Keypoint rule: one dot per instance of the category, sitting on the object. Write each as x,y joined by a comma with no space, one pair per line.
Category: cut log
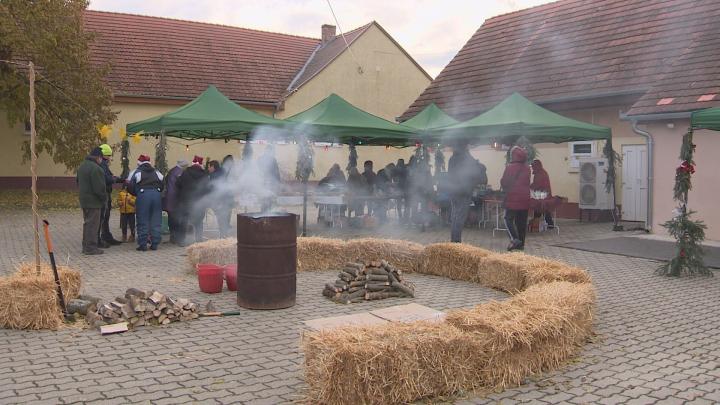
353,271
161,318
377,277
359,293
347,277
377,271
90,298
165,321
378,287
358,266
405,289
382,295
329,293
358,283
156,298
134,292
156,313
114,328
332,287
81,307
127,311
121,300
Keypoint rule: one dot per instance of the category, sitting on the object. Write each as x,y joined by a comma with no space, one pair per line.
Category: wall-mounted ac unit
592,195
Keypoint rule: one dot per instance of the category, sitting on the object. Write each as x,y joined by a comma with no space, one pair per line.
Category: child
126,204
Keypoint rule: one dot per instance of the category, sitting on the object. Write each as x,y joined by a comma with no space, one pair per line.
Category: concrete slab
409,313
361,319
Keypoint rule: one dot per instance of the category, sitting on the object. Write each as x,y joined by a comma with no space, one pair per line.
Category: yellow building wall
388,84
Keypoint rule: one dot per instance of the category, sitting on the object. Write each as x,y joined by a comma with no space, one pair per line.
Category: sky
431,31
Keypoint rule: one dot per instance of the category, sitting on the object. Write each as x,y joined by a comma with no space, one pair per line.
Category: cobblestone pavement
658,338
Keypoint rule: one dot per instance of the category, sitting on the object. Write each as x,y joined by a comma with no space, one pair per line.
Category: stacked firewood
372,280
139,308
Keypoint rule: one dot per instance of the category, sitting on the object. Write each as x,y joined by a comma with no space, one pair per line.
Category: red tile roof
582,49
325,54
159,57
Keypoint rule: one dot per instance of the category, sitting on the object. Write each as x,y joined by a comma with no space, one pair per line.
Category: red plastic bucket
231,277
210,278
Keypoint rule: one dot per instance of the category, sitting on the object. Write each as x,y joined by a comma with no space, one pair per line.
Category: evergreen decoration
305,162
689,234
523,142
247,151
160,153
439,160
125,158
352,159
614,160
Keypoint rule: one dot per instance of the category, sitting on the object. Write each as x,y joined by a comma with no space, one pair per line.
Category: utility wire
347,45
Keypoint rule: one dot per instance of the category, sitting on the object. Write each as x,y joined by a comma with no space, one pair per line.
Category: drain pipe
648,137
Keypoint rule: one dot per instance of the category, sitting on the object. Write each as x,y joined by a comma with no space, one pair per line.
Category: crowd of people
185,193
188,190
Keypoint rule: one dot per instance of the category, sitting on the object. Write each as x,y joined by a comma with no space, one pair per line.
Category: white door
635,185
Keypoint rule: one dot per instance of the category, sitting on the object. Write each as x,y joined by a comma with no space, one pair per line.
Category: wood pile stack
139,308
372,280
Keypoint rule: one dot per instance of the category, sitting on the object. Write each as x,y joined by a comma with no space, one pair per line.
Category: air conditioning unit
592,194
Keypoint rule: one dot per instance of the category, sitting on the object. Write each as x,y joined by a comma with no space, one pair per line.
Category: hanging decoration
614,160
523,142
137,138
352,159
439,160
104,131
124,156
160,153
247,151
688,233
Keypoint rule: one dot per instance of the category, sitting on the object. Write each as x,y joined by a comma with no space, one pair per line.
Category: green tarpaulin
517,116
211,115
431,117
706,119
335,120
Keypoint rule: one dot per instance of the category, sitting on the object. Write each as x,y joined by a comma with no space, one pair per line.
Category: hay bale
215,251
533,331
316,254
388,364
496,271
403,255
455,261
543,270
29,301
70,279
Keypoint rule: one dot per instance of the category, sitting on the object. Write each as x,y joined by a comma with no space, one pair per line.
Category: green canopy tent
430,118
706,119
336,120
210,116
517,116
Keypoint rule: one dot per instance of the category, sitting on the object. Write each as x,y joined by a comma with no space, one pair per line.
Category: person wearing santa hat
146,184
192,186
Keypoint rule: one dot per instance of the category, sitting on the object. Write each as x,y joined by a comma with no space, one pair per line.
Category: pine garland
160,153
689,234
125,158
439,160
352,159
305,163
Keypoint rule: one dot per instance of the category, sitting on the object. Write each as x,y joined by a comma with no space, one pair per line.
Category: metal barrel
266,260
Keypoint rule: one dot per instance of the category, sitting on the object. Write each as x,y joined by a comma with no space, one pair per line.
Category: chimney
328,33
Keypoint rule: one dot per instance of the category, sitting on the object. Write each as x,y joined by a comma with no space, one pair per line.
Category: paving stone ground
658,338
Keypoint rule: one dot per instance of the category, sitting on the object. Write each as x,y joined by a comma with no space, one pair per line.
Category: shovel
61,298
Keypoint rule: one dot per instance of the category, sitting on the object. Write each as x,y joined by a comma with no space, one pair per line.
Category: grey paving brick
654,343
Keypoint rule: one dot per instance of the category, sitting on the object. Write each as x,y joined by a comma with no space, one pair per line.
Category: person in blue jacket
146,184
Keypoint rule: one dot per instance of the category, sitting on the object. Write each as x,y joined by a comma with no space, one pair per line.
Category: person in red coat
516,184
541,182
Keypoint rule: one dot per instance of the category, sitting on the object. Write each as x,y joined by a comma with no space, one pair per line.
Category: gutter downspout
650,178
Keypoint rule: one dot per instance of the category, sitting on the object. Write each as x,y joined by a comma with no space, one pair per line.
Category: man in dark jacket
192,188
93,195
105,237
463,175
516,184
146,184
170,201
541,182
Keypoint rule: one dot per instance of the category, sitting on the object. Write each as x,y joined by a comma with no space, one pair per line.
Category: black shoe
103,244
154,247
93,252
112,241
141,248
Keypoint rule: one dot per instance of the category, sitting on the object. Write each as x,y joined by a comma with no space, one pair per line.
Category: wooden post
304,223
33,166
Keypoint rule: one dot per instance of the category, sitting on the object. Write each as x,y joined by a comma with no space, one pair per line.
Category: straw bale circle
494,345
